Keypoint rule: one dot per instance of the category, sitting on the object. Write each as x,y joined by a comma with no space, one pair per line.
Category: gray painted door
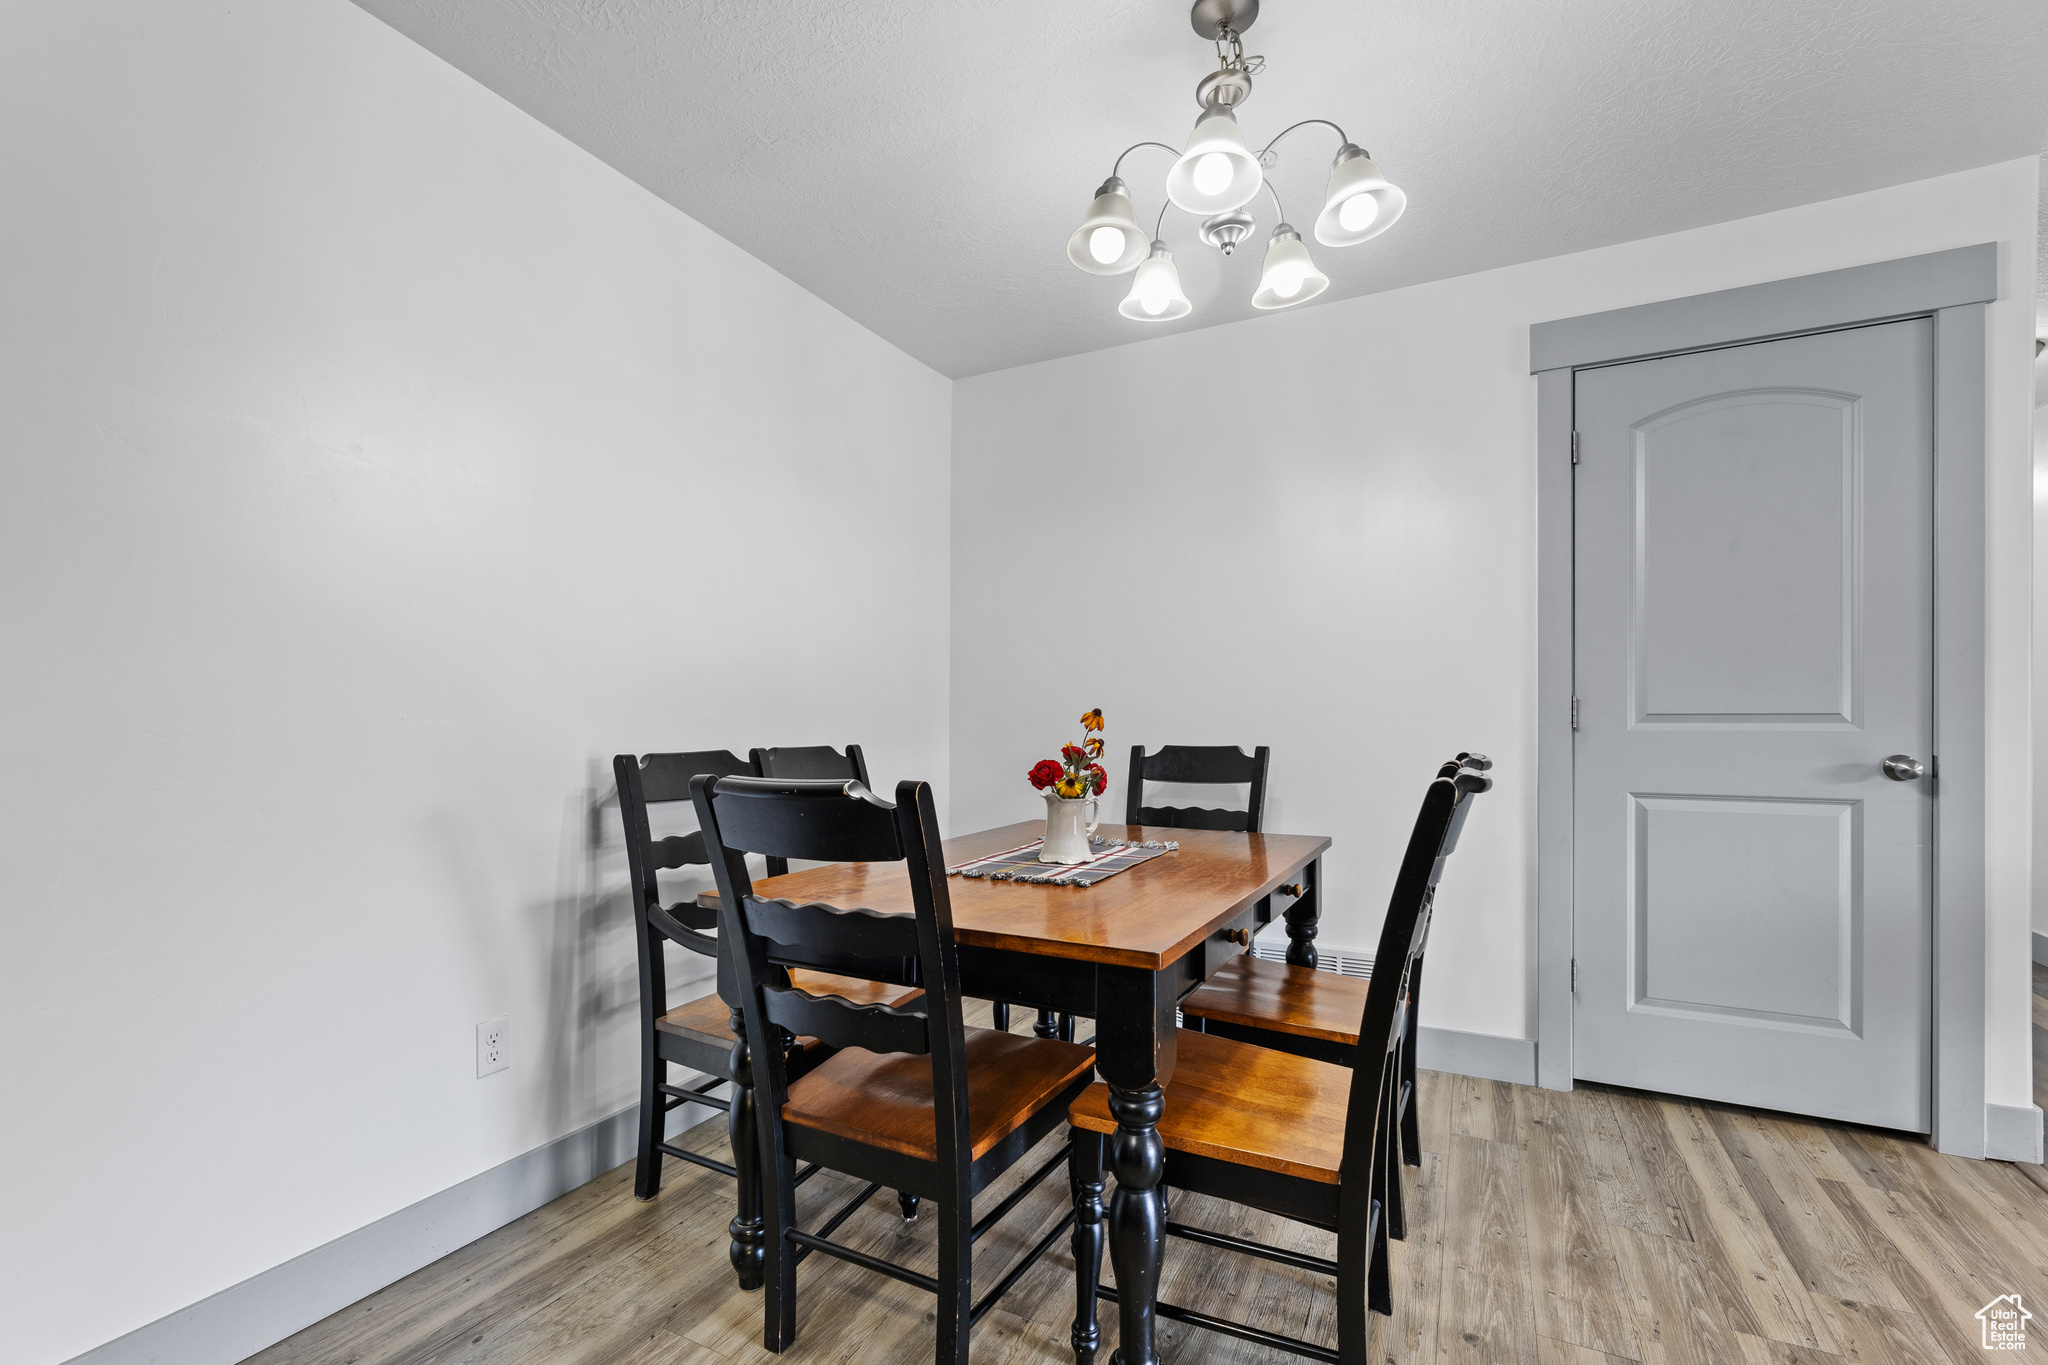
1753,636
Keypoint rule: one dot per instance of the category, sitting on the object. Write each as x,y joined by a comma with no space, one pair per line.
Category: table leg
1303,915
1134,1050
749,1231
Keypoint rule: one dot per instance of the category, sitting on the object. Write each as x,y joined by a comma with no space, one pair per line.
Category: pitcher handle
1094,816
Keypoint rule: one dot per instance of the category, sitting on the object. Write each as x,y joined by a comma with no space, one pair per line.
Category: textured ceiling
920,164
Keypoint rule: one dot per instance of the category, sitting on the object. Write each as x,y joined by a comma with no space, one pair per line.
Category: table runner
1106,858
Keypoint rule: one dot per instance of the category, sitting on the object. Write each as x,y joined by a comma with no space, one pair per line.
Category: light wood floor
1594,1227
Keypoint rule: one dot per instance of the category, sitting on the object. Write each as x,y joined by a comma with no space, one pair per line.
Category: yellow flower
1092,720
1072,786
1094,746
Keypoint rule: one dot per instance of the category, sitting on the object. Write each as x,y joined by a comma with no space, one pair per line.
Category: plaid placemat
1107,857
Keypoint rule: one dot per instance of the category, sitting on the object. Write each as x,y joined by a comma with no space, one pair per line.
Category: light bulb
1106,243
1357,212
1212,173
1154,302
1288,284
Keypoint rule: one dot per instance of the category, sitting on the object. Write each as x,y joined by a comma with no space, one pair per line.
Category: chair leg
956,1277
1066,1028
647,1165
1354,1321
1001,1010
1411,1117
748,1240
778,1305
908,1203
1389,1168
1084,1176
1048,1025
1379,1279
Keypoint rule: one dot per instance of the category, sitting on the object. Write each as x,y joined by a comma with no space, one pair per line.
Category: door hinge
1575,976
1575,713
1575,447
1934,767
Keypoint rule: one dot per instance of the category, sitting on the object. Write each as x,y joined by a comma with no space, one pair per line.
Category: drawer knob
1295,890
1241,937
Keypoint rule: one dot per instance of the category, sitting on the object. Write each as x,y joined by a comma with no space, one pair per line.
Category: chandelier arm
1303,124
1160,221
1267,181
1114,170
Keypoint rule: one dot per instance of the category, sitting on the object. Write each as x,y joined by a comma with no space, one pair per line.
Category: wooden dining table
1122,952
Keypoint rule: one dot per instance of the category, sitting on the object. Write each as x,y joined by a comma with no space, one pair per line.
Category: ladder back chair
1197,765
703,1033
816,760
1286,1134
1313,1013
915,1099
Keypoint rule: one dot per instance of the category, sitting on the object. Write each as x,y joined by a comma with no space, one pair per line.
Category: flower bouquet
1071,786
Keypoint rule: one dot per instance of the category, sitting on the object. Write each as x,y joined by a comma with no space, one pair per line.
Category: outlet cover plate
492,1050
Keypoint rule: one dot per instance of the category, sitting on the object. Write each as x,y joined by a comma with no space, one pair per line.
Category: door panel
1753,633
1744,584
1745,909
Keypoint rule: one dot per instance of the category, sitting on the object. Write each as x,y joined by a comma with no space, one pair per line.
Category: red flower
1074,754
1045,773
1101,777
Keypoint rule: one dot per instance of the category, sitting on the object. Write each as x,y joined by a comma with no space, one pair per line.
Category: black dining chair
700,1034
1314,1013
1286,1134
916,1099
816,760
1197,765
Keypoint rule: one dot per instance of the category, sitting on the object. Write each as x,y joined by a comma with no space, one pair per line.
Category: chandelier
1214,178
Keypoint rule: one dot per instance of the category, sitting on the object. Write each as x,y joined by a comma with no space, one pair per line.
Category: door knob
1902,768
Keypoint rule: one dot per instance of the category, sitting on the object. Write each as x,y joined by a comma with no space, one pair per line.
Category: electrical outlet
492,1054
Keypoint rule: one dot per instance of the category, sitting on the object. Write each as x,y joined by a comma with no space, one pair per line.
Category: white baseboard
2012,1132
2041,948
266,1308
1488,1056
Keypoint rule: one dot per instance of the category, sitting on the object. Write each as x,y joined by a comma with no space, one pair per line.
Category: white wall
375,467
1316,531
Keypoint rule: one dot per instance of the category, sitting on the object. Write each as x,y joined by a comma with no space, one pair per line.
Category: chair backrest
1205,764
816,760
662,779
838,820
1403,936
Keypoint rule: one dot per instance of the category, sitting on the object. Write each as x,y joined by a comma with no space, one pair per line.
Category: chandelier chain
1230,55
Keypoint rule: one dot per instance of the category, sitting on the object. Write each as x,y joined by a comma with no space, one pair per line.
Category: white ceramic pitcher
1067,827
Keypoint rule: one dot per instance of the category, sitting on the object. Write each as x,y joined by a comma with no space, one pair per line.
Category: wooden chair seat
885,1099
1249,1106
1278,997
709,1021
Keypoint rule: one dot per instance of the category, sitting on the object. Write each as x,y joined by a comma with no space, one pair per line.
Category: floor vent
1343,961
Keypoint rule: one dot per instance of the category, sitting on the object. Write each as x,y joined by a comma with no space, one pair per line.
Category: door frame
1952,288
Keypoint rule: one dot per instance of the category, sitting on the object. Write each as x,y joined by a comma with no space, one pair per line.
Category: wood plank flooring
1595,1227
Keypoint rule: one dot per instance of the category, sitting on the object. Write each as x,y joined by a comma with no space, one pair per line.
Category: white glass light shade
1353,176
1155,291
1216,173
1109,240
1289,276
